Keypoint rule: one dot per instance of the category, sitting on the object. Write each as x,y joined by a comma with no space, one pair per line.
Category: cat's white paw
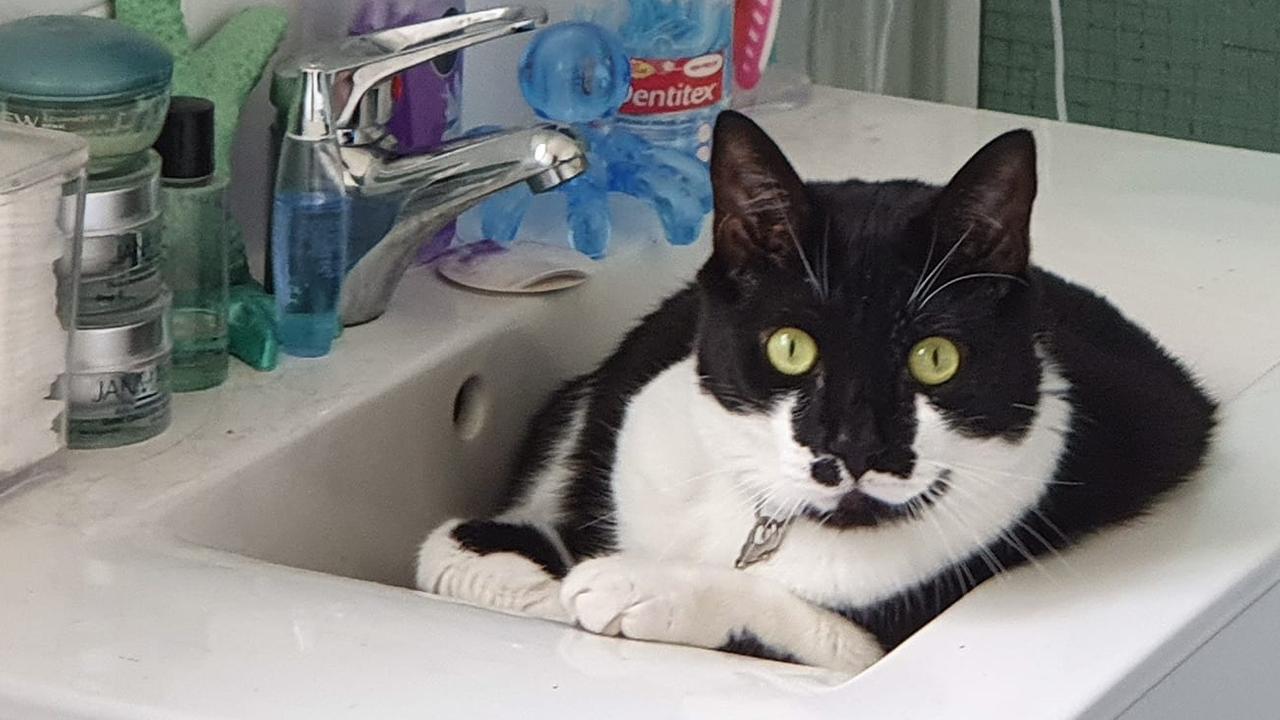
502,581
646,600
705,606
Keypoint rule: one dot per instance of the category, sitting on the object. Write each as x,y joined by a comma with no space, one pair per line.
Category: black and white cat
868,403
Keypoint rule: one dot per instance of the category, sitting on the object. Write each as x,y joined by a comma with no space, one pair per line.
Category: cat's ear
761,205
988,203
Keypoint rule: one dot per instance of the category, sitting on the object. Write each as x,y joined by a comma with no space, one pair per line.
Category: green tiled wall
1205,70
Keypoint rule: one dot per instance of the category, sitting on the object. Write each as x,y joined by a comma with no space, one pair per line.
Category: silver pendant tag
763,541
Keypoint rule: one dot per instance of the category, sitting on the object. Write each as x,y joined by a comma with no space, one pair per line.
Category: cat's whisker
960,466
1016,544
730,470
782,511
992,562
603,518
1051,525
988,558
965,469
772,201
993,485
1001,534
611,427
826,264
790,510
914,508
1051,547
934,274
953,560
752,500
804,260
928,258
799,508
826,518
971,276
758,497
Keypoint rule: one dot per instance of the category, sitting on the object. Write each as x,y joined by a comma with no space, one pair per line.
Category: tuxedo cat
868,403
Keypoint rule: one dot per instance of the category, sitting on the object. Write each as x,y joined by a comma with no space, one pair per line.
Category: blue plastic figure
578,73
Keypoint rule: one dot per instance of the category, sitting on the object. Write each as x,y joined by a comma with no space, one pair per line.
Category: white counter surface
105,614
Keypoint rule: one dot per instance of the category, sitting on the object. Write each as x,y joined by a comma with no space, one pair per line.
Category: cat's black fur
1140,424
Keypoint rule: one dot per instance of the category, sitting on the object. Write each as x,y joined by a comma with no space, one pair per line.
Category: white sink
356,494
254,561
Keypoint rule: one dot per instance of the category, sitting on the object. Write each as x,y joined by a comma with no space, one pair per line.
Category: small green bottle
195,244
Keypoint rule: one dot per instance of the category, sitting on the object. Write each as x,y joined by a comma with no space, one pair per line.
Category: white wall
931,53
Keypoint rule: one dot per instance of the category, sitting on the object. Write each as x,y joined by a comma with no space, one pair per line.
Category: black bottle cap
186,142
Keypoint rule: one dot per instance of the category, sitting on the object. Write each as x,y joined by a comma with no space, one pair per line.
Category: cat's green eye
934,360
791,351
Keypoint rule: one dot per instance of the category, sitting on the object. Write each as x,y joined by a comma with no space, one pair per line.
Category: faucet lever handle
362,62
409,37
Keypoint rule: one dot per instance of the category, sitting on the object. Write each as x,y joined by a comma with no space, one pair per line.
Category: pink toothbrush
754,24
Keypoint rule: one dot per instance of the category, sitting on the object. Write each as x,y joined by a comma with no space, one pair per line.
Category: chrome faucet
346,90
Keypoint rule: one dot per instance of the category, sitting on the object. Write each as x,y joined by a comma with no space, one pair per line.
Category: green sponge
224,69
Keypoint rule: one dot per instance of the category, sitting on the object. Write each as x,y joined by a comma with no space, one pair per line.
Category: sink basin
356,494
255,560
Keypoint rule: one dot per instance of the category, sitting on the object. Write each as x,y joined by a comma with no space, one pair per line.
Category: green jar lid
76,58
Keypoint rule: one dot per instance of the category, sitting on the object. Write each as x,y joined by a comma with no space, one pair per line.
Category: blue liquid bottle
309,231
309,261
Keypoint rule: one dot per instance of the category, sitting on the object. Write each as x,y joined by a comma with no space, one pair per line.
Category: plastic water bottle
681,71
581,73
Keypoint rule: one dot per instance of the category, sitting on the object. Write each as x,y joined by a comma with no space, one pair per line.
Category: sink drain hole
469,408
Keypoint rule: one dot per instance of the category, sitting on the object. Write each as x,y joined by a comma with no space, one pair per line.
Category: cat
867,403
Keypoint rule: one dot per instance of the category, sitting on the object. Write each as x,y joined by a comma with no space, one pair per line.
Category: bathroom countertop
106,615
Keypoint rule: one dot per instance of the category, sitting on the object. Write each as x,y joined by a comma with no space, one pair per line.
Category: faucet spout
407,199
437,187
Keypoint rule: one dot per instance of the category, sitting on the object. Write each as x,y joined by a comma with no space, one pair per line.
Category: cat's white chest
676,498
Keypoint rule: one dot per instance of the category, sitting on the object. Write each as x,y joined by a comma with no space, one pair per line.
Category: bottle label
114,394
669,86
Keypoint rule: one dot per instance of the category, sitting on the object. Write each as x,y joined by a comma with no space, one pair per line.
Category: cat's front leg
710,607
501,565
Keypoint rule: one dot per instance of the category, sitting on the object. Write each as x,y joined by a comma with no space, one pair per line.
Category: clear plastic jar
115,128
119,389
122,251
99,79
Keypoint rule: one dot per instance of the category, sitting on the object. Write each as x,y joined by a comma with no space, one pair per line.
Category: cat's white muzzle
895,489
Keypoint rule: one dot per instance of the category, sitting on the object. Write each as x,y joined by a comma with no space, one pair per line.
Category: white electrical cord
1059,62
882,48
